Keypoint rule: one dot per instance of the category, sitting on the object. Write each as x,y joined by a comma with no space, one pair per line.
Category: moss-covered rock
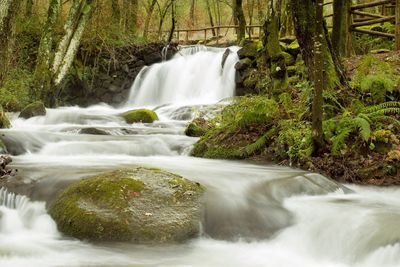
249,50
289,59
139,205
243,64
93,131
293,48
32,110
140,115
4,121
198,127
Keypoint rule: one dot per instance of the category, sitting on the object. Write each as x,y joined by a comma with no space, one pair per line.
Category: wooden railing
216,32
361,18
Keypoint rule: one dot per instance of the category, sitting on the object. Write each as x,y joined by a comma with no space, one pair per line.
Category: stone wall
101,74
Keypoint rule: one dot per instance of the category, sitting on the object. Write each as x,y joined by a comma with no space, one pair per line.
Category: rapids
255,215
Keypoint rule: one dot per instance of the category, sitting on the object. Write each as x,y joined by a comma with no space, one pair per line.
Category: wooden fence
359,18
216,32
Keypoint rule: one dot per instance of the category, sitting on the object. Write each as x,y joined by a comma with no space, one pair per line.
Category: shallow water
254,215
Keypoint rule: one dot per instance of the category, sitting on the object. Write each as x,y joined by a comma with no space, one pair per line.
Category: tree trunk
8,15
79,14
52,66
240,18
286,19
340,34
43,75
173,21
304,15
29,8
210,17
148,18
273,54
317,110
192,12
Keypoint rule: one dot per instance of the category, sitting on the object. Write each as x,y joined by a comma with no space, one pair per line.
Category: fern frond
382,106
364,128
339,141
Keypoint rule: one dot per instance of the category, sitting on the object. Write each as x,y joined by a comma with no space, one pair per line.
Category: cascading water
254,215
194,76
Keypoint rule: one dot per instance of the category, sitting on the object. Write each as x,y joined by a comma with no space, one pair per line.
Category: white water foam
194,76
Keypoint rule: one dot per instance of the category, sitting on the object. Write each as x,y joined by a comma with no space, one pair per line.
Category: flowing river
255,215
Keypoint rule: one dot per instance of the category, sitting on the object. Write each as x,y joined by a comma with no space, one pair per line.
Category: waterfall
195,75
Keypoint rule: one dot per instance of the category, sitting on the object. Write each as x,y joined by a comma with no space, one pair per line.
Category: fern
364,128
339,141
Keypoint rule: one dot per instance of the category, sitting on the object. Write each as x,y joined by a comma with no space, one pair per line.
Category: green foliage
378,86
14,92
4,121
376,79
295,139
247,111
340,128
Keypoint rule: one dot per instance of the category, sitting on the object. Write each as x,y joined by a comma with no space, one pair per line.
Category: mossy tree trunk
240,18
29,8
341,25
304,16
286,19
53,64
210,16
150,11
273,54
173,22
129,18
8,14
317,107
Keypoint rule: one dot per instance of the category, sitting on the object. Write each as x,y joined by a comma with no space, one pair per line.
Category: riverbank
361,125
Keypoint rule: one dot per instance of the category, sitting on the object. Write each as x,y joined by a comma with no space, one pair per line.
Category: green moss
375,78
246,114
140,115
73,207
4,121
34,109
14,91
249,50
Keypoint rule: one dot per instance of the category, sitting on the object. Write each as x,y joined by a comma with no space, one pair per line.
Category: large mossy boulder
138,205
4,121
32,110
140,115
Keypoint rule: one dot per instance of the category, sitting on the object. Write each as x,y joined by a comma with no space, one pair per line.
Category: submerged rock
198,127
4,121
32,110
140,115
93,131
139,205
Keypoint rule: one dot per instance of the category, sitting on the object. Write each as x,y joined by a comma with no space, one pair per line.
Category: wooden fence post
397,25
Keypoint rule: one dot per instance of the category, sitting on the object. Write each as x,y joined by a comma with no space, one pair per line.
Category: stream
255,215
